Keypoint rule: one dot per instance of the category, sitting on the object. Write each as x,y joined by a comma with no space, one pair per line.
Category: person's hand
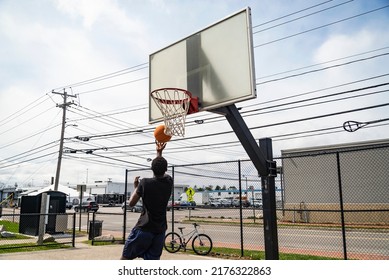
160,147
136,181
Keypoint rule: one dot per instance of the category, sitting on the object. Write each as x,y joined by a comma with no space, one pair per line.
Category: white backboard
215,64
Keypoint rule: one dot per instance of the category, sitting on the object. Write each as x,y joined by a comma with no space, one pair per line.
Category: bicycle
201,243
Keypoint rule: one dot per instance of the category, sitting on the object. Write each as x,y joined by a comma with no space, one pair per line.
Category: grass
27,247
14,228
31,247
219,252
235,254
10,226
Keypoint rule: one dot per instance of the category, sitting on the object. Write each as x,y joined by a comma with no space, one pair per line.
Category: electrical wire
106,76
291,14
26,108
143,66
319,27
322,69
318,64
28,160
305,16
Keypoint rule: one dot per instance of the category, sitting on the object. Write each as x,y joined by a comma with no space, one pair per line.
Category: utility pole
63,106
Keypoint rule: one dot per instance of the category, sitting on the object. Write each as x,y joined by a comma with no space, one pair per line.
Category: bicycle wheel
172,242
202,244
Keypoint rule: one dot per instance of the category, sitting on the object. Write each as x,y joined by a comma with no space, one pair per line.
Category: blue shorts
143,244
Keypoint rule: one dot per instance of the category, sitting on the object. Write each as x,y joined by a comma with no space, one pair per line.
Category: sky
314,60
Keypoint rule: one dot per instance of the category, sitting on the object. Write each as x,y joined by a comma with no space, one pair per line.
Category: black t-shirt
155,193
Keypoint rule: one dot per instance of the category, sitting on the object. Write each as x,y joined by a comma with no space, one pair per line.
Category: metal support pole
74,230
173,200
245,137
240,209
341,206
125,206
260,157
269,206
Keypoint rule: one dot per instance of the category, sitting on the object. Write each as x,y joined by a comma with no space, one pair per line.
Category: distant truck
200,198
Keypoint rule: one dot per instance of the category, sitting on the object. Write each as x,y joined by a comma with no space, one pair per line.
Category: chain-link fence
31,230
338,200
329,204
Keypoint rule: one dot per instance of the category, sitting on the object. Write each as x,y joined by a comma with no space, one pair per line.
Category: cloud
82,9
343,45
101,12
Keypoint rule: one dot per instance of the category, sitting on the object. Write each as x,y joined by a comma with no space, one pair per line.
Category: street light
252,196
246,182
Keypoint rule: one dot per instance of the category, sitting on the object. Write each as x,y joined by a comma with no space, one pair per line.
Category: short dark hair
159,166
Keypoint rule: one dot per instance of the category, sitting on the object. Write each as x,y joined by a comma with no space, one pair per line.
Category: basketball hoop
174,104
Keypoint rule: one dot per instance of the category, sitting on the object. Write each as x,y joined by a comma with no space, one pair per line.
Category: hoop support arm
245,137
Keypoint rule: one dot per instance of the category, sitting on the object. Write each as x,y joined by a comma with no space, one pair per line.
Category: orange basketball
159,134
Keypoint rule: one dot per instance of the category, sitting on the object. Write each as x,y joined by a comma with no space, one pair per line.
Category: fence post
42,218
240,208
92,228
74,230
341,206
172,209
125,206
269,205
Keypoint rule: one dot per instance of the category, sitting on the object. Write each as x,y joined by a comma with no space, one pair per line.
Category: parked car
87,206
69,205
138,207
193,204
215,203
226,202
246,203
176,205
188,204
257,203
236,203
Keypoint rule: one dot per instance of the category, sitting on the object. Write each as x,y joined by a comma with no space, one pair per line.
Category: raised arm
160,147
134,196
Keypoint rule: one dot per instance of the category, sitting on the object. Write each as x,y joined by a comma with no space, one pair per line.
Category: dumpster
95,229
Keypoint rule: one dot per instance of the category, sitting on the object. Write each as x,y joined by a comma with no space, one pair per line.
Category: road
360,243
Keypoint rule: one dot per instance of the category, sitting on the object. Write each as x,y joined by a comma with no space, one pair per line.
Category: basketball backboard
215,64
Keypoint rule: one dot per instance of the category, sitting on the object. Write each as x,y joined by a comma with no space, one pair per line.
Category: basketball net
174,104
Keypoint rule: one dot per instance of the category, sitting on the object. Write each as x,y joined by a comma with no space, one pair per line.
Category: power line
122,72
148,129
305,16
106,76
317,64
245,113
113,86
267,125
283,137
320,27
322,69
19,113
28,137
257,127
28,160
321,97
31,152
291,14
327,88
